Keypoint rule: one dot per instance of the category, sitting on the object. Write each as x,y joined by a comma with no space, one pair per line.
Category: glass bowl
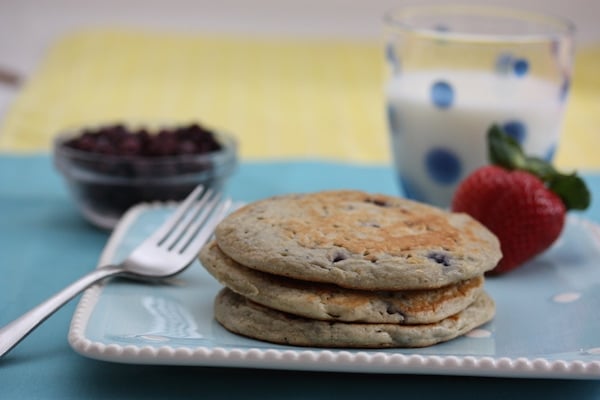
104,186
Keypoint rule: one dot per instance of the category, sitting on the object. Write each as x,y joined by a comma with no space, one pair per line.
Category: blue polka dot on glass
443,166
517,130
521,67
393,120
411,189
442,94
549,156
504,63
564,89
555,48
440,27
392,58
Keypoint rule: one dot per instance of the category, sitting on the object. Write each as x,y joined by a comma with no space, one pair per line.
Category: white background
28,27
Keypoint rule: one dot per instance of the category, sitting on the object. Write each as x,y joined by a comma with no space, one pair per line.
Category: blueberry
115,133
85,143
391,309
440,258
103,146
186,147
130,146
338,257
377,202
128,152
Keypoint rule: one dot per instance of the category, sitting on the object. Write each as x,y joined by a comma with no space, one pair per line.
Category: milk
479,99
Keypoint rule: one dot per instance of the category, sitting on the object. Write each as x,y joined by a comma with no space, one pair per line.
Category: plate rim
332,360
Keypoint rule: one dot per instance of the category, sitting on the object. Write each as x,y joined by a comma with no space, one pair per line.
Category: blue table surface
45,245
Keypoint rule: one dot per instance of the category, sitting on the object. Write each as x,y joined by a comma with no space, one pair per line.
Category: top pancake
358,240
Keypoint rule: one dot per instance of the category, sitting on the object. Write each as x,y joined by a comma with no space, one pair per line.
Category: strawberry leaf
539,167
506,152
572,190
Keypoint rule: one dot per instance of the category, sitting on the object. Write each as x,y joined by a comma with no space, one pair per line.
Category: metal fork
167,252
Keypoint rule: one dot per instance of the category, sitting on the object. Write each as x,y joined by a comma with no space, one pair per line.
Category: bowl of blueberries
110,168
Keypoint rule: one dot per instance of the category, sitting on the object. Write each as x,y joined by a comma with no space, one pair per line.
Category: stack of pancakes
350,269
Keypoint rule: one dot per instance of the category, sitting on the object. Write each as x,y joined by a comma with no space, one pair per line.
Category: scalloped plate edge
312,360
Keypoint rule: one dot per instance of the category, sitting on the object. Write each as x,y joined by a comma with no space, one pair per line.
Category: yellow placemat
283,98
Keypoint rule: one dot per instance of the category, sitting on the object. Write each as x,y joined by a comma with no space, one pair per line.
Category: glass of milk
456,70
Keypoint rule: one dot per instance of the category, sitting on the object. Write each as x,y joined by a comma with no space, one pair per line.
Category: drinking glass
456,70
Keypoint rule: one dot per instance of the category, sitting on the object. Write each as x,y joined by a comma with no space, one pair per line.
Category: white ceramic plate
547,323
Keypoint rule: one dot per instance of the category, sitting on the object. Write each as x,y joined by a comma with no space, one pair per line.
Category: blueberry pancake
330,302
240,315
358,240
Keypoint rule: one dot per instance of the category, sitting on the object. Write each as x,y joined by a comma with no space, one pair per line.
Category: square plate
547,323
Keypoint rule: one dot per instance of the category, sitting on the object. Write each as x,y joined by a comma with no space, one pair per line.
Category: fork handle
15,331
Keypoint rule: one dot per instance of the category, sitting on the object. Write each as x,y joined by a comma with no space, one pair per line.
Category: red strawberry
517,207
523,202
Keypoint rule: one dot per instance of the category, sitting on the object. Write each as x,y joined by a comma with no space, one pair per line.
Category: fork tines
193,221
